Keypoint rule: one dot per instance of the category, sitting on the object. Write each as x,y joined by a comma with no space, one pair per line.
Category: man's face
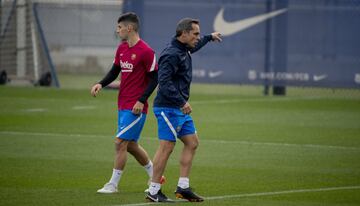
193,36
122,30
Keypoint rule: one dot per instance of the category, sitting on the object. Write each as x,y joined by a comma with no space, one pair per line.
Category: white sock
184,182
154,188
115,178
149,168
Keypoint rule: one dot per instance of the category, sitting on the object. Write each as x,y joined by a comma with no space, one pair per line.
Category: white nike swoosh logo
155,200
319,77
357,78
229,28
215,74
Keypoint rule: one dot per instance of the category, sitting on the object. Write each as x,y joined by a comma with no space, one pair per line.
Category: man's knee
167,147
121,144
193,145
191,142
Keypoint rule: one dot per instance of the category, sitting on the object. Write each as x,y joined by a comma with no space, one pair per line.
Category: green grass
250,144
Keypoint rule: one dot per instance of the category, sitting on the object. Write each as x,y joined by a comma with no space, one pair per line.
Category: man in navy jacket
172,109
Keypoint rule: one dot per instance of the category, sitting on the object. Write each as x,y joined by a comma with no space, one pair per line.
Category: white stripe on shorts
169,124
129,126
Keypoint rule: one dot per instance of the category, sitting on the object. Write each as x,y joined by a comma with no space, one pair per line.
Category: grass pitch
56,148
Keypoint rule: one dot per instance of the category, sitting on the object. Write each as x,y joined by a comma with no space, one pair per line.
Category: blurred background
276,104
272,44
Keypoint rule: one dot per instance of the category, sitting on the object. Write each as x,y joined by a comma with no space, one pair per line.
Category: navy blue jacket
175,73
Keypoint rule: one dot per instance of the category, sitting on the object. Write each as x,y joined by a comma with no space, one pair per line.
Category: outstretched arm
215,36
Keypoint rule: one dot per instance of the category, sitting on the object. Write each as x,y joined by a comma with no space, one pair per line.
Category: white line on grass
73,108
202,140
83,107
35,110
282,144
260,194
49,134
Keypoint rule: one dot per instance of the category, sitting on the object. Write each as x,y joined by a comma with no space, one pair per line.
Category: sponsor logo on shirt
126,66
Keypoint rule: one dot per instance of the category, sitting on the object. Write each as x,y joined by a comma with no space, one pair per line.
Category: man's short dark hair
130,17
185,25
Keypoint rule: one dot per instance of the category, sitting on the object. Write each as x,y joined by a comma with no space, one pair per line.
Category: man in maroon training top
137,63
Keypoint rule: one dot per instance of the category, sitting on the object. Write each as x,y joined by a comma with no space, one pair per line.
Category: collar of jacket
179,45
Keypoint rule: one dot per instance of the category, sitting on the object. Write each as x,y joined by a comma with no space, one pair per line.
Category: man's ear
184,33
129,27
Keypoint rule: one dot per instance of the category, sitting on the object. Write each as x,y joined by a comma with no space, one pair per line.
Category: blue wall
312,43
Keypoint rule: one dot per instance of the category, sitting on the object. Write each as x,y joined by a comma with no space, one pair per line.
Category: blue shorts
172,123
130,125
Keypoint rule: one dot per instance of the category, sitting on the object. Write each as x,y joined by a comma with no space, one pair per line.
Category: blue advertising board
275,42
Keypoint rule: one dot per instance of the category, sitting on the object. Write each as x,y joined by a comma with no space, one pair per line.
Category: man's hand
138,108
95,89
186,109
216,36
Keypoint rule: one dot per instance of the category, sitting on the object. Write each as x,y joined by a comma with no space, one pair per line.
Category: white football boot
108,188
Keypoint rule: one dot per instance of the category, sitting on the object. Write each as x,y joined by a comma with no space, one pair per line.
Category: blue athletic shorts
172,123
130,125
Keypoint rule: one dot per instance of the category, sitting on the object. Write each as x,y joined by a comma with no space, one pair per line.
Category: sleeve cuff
142,100
208,37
